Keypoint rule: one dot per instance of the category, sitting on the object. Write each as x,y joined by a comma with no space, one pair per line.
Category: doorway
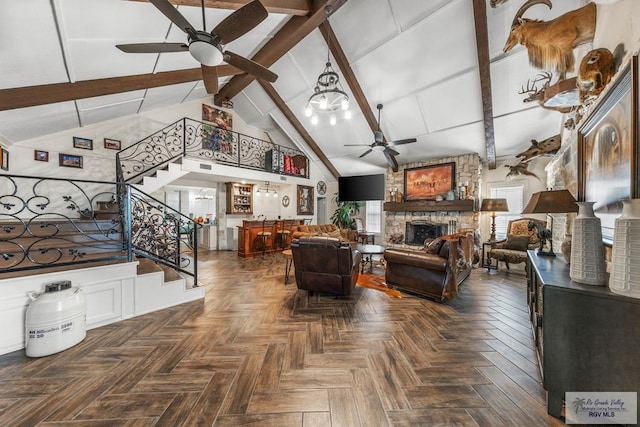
322,210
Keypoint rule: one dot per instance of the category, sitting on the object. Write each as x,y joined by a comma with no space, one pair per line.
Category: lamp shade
552,201
494,205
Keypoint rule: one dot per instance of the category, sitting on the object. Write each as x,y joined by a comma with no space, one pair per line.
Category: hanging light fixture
264,191
328,96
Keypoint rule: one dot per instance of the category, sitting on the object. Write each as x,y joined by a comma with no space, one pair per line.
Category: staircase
162,177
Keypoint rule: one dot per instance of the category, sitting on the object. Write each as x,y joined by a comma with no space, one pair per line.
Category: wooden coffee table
368,251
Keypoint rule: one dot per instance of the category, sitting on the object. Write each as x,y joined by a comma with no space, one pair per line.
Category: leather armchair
434,272
325,264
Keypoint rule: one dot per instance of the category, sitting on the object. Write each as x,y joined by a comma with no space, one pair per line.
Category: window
374,213
515,201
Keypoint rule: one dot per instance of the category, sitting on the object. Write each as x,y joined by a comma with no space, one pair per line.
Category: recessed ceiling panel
362,26
408,12
164,96
31,122
511,75
291,82
413,60
108,100
451,142
109,112
374,163
402,119
24,63
245,108
515,131
100,59
453,102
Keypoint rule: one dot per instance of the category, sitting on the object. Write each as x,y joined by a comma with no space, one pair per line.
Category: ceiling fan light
205,53
344,104
378,148
332,120
347,115
308,111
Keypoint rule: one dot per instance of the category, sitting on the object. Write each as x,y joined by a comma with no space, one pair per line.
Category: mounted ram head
550,44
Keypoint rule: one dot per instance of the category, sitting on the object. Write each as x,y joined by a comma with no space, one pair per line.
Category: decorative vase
625,256
588,264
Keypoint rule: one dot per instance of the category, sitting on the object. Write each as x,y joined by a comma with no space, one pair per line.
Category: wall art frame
112,144
429,182
305,200
84,143
41,155
608,149
70,161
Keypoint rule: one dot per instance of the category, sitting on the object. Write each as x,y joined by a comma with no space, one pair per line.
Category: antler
526,6
532,87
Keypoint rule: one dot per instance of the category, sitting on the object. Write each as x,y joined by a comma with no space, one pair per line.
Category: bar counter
250,243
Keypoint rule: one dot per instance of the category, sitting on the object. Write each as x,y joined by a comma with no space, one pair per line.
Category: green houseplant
343,215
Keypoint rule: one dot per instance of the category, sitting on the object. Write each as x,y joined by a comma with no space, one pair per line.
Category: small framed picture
70,161
84,143
112,144
5,160
41,156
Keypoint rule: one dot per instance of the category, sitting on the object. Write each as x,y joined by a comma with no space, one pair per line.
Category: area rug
376,282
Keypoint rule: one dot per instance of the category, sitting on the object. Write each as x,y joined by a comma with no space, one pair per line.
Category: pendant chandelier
328,96
264,191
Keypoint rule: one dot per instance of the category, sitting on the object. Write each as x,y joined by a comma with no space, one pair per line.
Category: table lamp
493,206
548,202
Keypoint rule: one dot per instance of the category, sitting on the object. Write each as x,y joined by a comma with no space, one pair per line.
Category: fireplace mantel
430,206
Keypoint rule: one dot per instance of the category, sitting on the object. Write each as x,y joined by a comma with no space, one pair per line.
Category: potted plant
343,215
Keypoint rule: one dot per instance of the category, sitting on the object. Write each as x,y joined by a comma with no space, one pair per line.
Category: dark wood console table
587,338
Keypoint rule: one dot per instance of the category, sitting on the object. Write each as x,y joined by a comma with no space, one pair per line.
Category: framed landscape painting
84,143
608,150
70,161
428,182
112,144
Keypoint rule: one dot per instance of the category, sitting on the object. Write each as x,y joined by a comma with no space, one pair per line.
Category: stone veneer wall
468,168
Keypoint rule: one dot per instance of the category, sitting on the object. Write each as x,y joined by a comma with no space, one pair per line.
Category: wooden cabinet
239,198
587,338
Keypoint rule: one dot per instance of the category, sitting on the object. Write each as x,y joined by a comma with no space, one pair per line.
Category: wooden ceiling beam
275,97
484,68
288,7
297,28
31,96
349,75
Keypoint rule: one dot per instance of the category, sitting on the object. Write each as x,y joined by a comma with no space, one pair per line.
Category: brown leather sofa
326,230
325,264
436,270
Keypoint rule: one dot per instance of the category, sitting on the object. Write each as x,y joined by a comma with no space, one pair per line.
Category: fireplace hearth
416,232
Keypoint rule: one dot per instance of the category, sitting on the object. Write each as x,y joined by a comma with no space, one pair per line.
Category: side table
487,262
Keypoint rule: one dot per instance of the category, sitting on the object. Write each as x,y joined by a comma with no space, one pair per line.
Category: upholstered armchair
325,264
520,238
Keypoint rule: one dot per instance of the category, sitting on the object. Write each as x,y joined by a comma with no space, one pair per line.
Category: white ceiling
418,58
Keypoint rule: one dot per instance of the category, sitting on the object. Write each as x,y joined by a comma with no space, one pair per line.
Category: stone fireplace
416,232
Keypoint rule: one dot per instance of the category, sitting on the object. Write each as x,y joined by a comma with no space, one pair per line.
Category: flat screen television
360,188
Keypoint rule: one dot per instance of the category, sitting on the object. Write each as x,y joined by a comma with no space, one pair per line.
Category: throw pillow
334,233
434,246
517,243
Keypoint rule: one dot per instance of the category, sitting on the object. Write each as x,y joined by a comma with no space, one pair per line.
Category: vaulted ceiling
59,69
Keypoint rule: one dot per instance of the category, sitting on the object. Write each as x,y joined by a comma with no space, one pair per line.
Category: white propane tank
55,319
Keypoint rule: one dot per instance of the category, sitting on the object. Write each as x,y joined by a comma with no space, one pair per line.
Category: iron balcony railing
55,222
194,139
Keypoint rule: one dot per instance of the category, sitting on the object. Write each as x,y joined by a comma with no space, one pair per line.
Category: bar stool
263,237
283,235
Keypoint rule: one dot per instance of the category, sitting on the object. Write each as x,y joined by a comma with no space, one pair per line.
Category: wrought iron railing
51,222
195,139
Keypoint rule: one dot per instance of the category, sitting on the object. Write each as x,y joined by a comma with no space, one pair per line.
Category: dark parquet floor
259,352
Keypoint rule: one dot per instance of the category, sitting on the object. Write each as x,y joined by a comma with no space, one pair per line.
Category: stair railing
55,222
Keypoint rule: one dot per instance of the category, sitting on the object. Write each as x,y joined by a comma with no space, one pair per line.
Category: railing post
127,222
194,236
184,136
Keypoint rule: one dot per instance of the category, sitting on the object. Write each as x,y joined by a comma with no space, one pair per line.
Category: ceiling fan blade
250,66
366,152
403,141
357,145
172,13
391,161
391,151
153,47
210,77
240,22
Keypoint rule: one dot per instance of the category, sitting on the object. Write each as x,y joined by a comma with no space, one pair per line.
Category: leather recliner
325,264
434,272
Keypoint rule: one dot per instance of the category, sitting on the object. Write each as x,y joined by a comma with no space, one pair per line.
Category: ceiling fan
207,48
379,144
